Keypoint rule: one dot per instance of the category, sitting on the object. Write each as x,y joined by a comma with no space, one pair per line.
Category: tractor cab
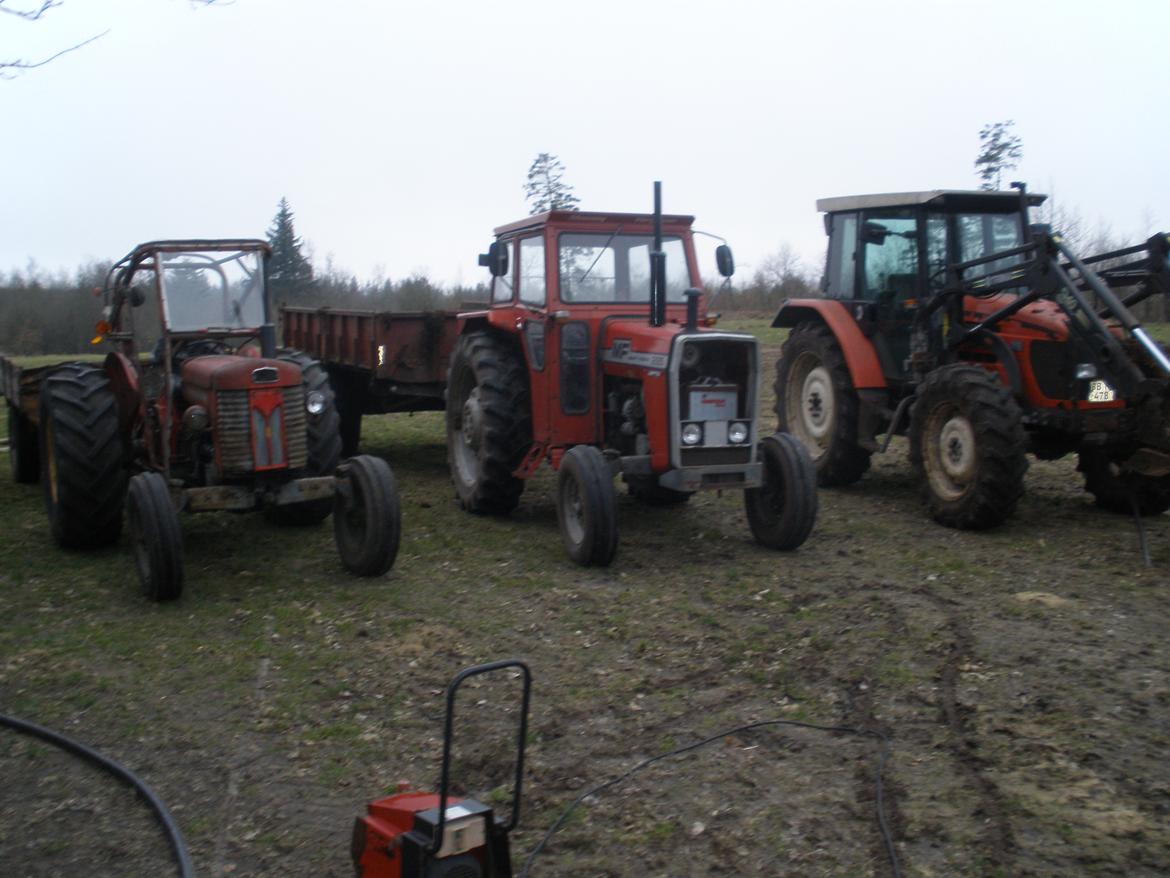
888,255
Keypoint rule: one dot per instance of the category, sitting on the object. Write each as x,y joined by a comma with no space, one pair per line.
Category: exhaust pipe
657,264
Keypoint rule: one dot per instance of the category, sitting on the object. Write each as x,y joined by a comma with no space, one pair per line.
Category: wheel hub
957,449
817,408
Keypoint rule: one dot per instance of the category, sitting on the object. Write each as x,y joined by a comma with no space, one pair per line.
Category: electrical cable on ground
174,836
883,825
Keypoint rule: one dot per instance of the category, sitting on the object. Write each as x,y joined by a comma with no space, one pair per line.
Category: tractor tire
489,422
23,454
156,537
817,403
367,515
83,457
967,447
323,440
587,507
782,511
647,490
1117,491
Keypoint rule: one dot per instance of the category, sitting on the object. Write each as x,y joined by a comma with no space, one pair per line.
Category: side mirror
874,233
137,295
724,260
496,259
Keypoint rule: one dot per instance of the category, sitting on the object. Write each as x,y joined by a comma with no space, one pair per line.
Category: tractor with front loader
948,316
195,410
592,356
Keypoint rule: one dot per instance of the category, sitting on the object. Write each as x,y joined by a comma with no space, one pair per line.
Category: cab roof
591,218
961,199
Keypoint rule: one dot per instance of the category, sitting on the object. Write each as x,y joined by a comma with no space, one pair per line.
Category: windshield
982,234
616,268
213,290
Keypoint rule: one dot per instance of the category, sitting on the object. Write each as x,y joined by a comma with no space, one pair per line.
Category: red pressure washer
428,835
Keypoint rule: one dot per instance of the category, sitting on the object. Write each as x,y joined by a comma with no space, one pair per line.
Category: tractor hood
203,375
634,342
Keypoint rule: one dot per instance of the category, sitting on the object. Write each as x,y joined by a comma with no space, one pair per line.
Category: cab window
891,255
532,282
503,286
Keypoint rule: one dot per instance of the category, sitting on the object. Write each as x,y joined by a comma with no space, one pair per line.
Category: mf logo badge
620,349
621,352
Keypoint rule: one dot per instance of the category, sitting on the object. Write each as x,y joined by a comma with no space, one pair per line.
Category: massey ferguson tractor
949,317
196,410
592,356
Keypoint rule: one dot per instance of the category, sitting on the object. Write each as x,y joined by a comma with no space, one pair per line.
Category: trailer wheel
817,403
156,537
323,439
1116,490
587,506
83,457
967,447
782,511
489,422
367,515
647,490
23,454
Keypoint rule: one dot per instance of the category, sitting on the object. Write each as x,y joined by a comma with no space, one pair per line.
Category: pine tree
999,151
289,273
546,189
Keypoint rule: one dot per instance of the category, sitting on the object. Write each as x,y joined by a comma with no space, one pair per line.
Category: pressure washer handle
448,732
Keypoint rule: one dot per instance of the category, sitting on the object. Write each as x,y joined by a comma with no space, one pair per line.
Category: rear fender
123,377
860,356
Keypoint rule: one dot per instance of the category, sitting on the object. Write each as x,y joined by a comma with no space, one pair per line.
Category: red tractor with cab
197,410
948,316
592,356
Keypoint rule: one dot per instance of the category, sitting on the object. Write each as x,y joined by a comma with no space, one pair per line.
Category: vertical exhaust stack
657,264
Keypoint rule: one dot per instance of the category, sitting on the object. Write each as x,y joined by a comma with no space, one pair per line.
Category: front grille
294,419
716,456
234,434
234,437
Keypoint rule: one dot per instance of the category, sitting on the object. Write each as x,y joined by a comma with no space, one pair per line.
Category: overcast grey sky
401,133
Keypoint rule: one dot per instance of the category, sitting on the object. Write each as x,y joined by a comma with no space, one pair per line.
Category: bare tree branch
31,14
18,64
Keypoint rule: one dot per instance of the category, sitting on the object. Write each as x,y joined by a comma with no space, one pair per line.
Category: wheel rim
51,455
951,459
468,429
812,398
573,511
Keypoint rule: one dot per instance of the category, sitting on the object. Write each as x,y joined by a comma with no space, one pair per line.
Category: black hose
174,836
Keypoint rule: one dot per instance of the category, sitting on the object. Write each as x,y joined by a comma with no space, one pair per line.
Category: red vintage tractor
948,316
592,357
196,410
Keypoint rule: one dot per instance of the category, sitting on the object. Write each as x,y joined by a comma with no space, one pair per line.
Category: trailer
21,387
378,361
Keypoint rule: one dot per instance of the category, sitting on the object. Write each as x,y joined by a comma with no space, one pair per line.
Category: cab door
890,284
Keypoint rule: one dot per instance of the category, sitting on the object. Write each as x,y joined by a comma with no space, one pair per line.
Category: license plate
1100,391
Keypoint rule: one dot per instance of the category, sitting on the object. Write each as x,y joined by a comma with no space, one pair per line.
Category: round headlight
737,433
196,419
692,434
690,355
315,402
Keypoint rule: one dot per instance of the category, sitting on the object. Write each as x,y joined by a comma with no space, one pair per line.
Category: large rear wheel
83,457
367,515
156,537
967,447
782,511
489,422
817,403
587,506
1119,491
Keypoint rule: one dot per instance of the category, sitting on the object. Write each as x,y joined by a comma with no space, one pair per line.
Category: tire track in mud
996,833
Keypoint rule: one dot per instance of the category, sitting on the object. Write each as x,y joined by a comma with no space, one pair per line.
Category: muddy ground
1021,677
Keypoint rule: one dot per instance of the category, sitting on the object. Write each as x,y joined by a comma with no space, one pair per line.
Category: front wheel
367,515
1120,491
156,537
967,447
782,511
587,507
